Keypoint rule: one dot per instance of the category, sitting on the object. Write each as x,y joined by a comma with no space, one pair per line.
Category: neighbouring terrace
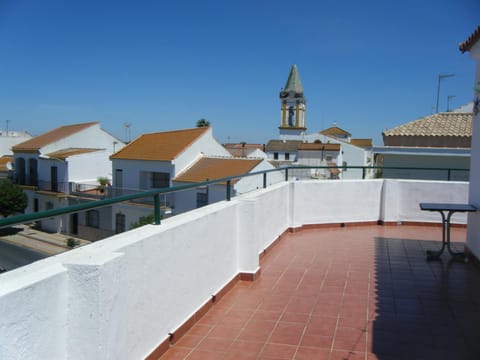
299,270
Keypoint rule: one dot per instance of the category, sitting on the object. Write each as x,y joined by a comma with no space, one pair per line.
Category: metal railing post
363,173
156,199
448,174
229,190
264,180
286,174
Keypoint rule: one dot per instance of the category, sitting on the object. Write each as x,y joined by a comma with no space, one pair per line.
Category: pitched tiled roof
281,145
65,153
363,143
37,142
238,150
335,130
441,124
319,147
472,39
162,146
208,168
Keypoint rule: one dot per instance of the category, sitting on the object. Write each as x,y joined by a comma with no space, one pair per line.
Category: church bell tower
292,126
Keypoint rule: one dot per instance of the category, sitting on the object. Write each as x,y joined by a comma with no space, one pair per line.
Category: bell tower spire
292,126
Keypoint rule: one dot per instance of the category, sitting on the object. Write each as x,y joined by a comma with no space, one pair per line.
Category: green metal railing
20,219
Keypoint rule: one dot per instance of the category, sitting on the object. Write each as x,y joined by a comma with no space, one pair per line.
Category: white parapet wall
120,297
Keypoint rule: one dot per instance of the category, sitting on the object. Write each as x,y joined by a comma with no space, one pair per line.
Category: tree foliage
143,220
202,123
12,198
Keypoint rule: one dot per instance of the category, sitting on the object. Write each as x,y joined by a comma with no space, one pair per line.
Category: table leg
435,255
457,255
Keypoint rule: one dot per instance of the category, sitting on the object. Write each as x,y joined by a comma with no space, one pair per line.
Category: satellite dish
9,166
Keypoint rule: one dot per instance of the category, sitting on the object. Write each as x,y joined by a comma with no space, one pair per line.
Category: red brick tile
176,353
257,330
287,333
205,355
295,317
189,341
278,351
310,353
323,342
215,344
224,332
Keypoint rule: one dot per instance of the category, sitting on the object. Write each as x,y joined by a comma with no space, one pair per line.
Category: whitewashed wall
89,166
120,297
205,145
401,199
321,202
353,156
131,170
473,232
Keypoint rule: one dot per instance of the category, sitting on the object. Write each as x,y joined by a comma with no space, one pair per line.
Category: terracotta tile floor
363,292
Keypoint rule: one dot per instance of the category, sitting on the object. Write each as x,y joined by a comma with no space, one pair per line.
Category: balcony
298,270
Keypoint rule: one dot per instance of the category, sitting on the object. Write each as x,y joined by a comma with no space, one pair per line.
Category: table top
447,207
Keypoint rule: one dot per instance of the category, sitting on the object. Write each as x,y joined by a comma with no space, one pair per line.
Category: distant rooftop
65,153
335,131
161,146
283,145
208,168
441,124
319,147
37,142
472,39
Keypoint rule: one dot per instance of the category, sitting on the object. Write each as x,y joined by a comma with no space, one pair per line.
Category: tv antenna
128,132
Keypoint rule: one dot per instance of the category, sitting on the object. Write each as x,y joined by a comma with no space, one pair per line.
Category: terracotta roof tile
363,143
472,39
335,130
319,147
161,146
65,153
280,145
238,150
208,168
37,142
441,124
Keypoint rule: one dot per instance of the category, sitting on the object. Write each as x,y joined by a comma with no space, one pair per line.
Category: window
160,180
202,198
93,218
119,223
287,156
275,156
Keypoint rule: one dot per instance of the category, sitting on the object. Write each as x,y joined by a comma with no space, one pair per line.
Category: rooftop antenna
128,133
448,101
440,77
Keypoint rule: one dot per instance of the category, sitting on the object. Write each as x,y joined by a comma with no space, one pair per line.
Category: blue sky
162,65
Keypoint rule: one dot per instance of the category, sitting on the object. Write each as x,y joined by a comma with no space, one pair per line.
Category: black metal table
446,210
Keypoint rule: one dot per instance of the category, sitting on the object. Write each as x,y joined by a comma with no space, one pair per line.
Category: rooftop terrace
330,281
358,292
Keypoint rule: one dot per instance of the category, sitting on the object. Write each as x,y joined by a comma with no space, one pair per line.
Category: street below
13,256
